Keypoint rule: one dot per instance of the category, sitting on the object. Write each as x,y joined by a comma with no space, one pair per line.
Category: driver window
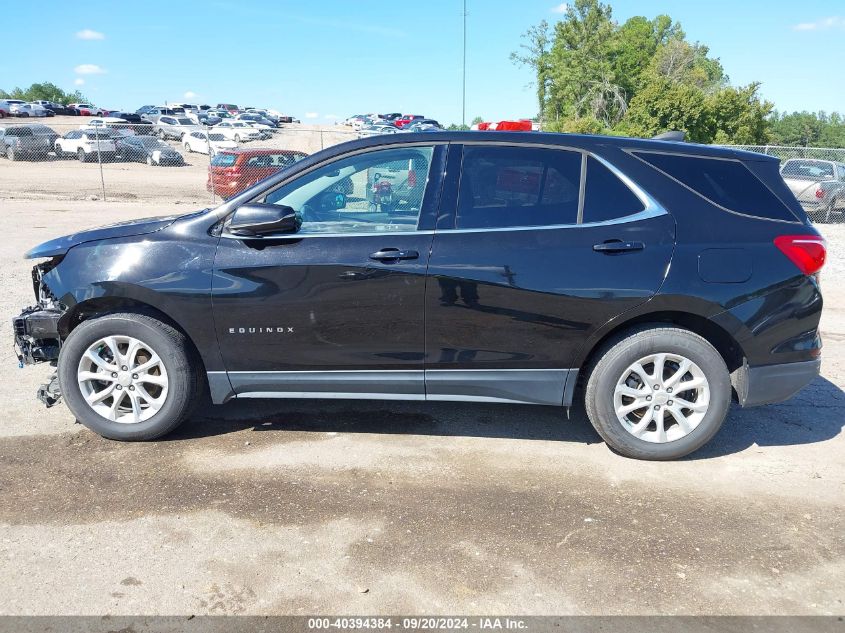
376,192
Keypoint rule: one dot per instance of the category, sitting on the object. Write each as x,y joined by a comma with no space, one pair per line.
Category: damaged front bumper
37,337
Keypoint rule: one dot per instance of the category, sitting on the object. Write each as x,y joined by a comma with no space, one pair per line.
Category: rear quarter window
727,183
606,197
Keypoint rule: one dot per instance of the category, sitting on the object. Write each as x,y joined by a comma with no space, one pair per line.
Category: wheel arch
99,306
727,346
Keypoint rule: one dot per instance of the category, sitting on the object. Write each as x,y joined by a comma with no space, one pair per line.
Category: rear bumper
769,384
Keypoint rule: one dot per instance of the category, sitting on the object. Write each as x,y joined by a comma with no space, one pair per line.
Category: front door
533,259
337,308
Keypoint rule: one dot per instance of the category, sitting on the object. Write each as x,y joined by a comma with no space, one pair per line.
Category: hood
61,245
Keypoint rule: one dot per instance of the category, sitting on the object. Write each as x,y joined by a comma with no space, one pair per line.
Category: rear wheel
58,150
150,160
128,376
10,153
80,154
188,148
237,138
659,393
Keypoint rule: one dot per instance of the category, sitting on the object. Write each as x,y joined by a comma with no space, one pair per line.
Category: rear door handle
618,246
392,254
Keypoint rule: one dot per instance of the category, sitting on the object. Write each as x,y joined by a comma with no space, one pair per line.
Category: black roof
578,141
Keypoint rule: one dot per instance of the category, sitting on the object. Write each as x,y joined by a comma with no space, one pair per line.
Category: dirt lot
294,507
67,179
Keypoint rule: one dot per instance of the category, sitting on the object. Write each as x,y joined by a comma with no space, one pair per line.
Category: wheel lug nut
656,387
669,390
114,374
119,387
657,407
131,388
134,376
648,398
124,368
669,403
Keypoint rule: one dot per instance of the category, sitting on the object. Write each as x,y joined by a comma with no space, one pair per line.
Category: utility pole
464,92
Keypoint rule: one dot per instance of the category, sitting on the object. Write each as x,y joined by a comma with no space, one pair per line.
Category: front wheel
80,154
128,376
10,153
150,161
188,148
237,138
659,393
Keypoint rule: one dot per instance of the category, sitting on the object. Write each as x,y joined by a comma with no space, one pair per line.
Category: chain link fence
816,175
175,160
83,158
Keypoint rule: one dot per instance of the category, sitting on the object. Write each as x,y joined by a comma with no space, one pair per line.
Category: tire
161,135
59,153
237,138
607,380
81,155
10,153
188,148
177,389
822,216
150,160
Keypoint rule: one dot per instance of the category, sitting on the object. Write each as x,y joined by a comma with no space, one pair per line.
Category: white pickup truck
85,144
819,186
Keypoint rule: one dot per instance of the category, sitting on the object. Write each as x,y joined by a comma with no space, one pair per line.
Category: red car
406,119
233,171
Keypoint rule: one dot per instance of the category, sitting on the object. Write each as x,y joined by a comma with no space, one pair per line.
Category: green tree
739,116
535,54
667,105
46,91
635,44
581,73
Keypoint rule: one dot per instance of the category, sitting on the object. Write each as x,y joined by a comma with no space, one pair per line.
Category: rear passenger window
725,182
514,186
606,197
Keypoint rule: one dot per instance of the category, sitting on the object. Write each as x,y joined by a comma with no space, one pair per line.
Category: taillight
807,252
820,193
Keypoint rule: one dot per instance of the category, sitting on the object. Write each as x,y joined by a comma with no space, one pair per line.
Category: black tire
150,161
81,155
183,371
611,363
59,153
10,153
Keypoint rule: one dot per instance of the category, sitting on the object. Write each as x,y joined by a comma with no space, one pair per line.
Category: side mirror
257,219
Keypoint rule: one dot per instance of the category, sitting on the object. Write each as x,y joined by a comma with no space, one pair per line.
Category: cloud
88,34
79,81
189,94
311,115
560,8
89,69
833,22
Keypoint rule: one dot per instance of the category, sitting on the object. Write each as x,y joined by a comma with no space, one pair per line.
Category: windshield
216,137
185,121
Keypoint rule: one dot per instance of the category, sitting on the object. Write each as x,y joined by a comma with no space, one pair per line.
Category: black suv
655,280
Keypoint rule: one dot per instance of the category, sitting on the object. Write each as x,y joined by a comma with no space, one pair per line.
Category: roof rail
672,135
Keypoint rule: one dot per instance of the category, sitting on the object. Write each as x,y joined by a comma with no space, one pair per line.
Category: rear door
535,249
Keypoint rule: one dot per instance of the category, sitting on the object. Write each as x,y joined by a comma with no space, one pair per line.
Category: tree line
45,91
643,77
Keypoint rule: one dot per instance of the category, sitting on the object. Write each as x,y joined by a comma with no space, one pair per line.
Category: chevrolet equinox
653,280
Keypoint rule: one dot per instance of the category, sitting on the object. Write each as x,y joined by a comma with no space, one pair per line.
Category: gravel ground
294,507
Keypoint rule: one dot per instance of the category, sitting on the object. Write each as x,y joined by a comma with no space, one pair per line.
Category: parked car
377,129
174,127
256,120
39,129
653,280
29,110
422,125
132,121
231,108
5,108
60,109
154,114
237,131
145,109
203,143
819,186
86,109
233,171
86,145
150,150
22,141
405,119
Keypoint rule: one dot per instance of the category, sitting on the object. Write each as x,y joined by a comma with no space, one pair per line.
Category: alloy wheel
123,379
661,397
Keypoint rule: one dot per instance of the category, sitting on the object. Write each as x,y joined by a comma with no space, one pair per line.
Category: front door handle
393,254
617,246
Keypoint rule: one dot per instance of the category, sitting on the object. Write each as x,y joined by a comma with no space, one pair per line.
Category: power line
464,91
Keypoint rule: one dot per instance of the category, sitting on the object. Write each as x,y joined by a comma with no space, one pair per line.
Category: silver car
174,127
819,186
